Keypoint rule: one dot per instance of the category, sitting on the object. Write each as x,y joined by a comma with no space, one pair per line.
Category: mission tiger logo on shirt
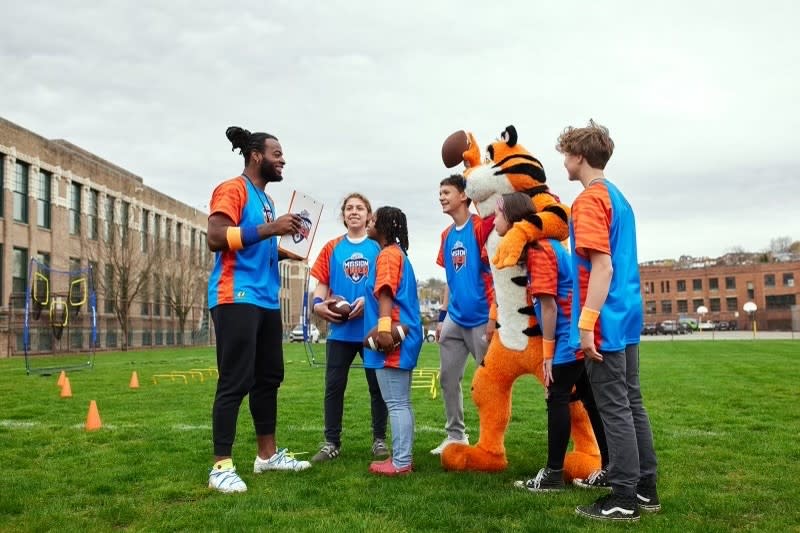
458,255
356,267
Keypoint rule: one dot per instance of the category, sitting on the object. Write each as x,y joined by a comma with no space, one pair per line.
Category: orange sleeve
322,266
591,220
229,199
388,270
543,269
440,258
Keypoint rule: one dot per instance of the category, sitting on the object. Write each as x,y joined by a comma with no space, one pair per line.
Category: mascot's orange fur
516,347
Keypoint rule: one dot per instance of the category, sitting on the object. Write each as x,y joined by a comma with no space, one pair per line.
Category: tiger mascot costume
516,347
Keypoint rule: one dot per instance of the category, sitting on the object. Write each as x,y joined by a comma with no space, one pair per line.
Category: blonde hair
592,142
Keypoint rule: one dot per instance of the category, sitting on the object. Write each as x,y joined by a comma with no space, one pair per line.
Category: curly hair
390,223
592,142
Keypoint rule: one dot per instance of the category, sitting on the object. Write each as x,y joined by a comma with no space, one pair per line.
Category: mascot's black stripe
533,191
534,219
508,158
525,168
521,281
527,310
533,331
558,210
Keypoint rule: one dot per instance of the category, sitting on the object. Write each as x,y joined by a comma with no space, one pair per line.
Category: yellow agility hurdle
426,378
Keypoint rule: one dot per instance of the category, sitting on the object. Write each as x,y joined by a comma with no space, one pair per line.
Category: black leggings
565,376
250,361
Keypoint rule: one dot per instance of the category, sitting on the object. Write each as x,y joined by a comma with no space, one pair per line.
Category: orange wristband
588,318
234,237
385,324
548,348
493,312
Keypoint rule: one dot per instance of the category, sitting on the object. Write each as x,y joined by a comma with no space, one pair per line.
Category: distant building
723,286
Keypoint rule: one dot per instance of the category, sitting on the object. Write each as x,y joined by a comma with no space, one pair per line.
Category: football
454,147
399,332
340,307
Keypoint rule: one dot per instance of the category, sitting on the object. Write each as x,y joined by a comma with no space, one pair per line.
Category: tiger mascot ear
509,135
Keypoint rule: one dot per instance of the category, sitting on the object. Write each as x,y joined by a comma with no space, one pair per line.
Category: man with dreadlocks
243,298
391,296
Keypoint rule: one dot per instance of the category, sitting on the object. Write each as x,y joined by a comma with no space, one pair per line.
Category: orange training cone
93,418
61,377
134,380
66,389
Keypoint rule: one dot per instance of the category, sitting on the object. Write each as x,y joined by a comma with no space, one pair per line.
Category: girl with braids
550,289
243,298
391,296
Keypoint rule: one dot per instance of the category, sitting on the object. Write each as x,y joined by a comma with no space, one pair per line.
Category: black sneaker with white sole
547,480
596,480
328,452
647,498
611,507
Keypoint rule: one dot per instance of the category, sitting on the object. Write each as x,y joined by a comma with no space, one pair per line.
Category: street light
750,308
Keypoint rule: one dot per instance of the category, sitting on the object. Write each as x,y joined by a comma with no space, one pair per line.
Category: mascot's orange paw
510,248
460,457
580,465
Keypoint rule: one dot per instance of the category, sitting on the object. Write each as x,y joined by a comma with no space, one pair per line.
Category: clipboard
298,245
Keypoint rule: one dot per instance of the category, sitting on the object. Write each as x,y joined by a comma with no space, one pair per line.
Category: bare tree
128,261
780,245
185,284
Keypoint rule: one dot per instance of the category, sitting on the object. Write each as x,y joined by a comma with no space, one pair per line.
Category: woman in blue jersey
342,269
243,298
392,297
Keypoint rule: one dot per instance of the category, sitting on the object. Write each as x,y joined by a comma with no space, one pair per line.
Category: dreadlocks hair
247,142
390,223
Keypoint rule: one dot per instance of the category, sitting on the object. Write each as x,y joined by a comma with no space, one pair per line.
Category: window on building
156,232
145,229
94,206
713,284
681,285
19,276
168,296
788,279
178,239
697,284
192,246
168,236
665,286
124,219
43,258
781,301
74,208
108,223
43,200
697,302
769,280
145,298
156,296
751,292
650,307
108,281
730,282
683,306
2,188
21,193
714,305
666,306
204,250
732,304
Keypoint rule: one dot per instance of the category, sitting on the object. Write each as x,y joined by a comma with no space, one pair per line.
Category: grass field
724,414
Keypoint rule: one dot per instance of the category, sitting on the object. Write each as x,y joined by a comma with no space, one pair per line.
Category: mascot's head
508,168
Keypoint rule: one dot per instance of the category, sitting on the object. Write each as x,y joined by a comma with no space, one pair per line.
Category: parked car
670,327
296,335
689,323
722,325
649,328
705,326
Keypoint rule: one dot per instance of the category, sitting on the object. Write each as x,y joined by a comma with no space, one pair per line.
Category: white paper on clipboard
298,245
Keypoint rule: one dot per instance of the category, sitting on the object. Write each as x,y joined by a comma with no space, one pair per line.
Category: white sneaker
282,460
447,442
226,480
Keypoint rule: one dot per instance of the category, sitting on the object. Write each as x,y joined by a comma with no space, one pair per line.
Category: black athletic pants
250,362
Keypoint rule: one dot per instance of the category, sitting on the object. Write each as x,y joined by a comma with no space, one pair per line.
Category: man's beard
268,172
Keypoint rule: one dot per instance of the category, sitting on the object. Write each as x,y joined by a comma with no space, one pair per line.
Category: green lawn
724,414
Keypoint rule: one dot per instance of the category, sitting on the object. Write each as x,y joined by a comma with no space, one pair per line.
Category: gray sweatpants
615,384
455,345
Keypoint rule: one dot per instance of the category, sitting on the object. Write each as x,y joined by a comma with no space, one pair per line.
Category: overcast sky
700,98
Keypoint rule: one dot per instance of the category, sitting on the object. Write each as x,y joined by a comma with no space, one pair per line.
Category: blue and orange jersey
603,221
393,270
550,274
469,278
249,275
344,266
